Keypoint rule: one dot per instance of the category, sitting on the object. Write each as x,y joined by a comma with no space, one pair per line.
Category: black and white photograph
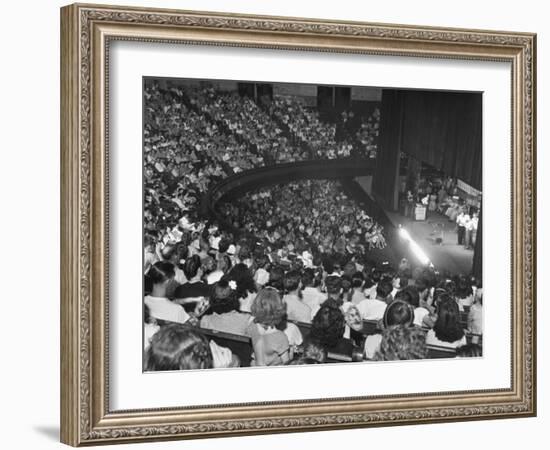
291,224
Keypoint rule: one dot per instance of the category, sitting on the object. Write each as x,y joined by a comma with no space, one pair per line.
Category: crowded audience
315,215
285,278
291,313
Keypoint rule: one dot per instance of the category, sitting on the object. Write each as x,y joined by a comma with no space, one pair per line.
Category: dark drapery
385,179
442,129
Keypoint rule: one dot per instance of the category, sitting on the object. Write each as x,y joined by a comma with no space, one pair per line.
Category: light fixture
418,252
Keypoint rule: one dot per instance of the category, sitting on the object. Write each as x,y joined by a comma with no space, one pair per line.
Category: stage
449,255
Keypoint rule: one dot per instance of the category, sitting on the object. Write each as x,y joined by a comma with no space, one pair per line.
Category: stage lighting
418,252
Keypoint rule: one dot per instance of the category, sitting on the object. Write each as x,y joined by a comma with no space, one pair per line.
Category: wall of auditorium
29,180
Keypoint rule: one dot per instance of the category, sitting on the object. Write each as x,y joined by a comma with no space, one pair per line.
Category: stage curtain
444,130
385,179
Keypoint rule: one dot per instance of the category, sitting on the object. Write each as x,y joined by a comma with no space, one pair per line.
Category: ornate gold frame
86,31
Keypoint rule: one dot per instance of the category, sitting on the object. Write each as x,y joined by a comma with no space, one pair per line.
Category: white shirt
214,277
246,303
472,224
371,292
149,330
163,309
372,344
372,309
313,298
297,309
293,334
357,297
462,220
419,314
179,276
261,276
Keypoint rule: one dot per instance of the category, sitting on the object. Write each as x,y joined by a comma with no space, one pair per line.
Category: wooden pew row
438,352
241,346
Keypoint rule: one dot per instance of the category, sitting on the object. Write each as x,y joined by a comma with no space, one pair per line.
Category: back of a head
346,283
328,265
241,274
223,298
223,245
291,280
176,347
276,276
349,268
192,266
447,327
463,288
409,295
375,275
308,275
160,272
421,284
333,285
268,307
328,325
357,280
398,313
181,251
384,288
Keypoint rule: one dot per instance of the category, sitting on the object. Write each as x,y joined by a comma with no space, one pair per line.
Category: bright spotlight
423,258
405,234
418,252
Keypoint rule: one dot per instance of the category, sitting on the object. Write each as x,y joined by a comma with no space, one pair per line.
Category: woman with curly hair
177,347
328,327
270,344
399,312
447,331
223,313
401,342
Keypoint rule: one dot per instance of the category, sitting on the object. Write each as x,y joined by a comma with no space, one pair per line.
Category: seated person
296,309
161,275
373,309
354,324
223,313
447,331
333,285
357,283
327,329
398,312
240,277
194,291
177,347
270,344
311,295
411,296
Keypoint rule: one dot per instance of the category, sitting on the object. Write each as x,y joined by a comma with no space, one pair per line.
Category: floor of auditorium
447,256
